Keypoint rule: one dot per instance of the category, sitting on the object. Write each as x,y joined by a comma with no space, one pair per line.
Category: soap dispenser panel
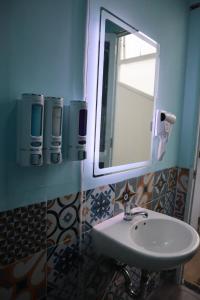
30,114
77,130
53,121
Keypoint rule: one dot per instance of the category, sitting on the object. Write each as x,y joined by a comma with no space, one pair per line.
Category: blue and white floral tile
145,190
24,279
63,273
89,259
96,274
165,204
170,198
158,204
179,209
98,205
86,227
96,271
172,179
160,183
181,193
125,191
63,220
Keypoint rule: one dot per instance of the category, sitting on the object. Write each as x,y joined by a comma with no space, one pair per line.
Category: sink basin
156,243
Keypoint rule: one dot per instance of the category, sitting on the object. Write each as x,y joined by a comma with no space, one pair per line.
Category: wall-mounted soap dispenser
77,130
53,120
30,113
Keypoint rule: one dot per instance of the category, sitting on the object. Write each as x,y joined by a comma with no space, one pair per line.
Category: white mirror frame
106,15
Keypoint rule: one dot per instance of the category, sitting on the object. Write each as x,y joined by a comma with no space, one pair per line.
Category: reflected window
137,61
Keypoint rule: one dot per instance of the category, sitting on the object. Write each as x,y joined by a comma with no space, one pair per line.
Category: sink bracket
145,281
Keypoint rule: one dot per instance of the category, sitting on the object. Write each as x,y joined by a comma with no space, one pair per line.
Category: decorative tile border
152,191
22,232
25,279
144,190
63,220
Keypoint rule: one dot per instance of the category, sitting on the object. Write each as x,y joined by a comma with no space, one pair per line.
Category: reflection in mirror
125,95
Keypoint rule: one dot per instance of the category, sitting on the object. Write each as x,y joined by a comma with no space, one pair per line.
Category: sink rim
109,239
167,255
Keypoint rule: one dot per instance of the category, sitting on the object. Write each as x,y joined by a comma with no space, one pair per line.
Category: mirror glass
126,96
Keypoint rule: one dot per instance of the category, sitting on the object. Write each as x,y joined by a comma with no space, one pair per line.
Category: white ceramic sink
155,243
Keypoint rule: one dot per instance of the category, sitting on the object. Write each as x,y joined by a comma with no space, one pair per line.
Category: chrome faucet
128,214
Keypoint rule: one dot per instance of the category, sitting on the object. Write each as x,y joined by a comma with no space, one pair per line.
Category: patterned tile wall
124,191
39,249
156,191
181,194
22,232
63,220
24,279
63,272
63,260
96,272
46,252
98,205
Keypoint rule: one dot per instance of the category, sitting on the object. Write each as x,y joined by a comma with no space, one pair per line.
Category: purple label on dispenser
82,122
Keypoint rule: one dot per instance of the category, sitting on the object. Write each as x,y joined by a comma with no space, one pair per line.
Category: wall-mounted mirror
127,77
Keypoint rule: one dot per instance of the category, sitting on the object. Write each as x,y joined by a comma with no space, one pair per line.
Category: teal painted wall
42,51
166,22
192,93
